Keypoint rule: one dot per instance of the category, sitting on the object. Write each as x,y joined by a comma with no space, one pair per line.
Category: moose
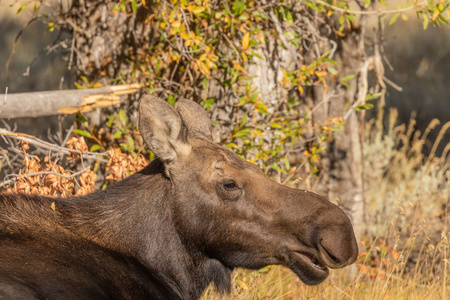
185,221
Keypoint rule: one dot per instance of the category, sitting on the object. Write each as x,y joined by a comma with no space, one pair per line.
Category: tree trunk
342,179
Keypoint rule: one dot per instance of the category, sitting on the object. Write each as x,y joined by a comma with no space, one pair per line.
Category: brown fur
168,231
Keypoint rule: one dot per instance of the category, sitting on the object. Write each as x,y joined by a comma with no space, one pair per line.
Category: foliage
207,51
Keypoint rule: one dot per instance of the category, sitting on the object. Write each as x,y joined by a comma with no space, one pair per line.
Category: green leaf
124,146
133,5
95,147
372,96
332,71
123,117
394,19
238,7
242,133
83,133
243,121
327,59
80,118
21,7
364,106
289,18
426,21
51,26
171,99
118,134
130,143
287,165
348,77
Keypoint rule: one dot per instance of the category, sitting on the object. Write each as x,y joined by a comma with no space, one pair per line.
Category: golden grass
281,283
406,252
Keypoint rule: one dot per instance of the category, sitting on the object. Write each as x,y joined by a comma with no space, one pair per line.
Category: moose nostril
337,246
334,258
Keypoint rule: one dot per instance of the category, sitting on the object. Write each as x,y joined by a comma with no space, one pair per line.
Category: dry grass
280,283
405,254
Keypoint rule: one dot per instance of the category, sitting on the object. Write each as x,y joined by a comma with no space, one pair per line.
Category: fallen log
48,103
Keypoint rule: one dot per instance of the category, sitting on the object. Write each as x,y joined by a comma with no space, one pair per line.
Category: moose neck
134,217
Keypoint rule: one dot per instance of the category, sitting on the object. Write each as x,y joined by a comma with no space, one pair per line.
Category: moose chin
187,220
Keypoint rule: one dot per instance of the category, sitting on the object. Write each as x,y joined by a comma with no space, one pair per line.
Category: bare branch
365,12
52,147
6,182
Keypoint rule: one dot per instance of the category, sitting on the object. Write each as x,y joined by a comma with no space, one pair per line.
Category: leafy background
213,52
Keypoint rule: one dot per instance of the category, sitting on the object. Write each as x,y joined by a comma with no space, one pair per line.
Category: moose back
167,232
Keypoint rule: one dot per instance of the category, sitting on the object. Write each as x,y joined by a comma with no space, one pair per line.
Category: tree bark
342,175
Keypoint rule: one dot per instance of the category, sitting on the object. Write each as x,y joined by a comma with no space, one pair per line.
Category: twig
72,50
280,32
363,86
361,12
48,146
6,182
392,84
325,100
69,132
16,40
4,101
54,173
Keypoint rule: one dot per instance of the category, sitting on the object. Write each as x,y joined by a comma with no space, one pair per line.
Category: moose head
226,209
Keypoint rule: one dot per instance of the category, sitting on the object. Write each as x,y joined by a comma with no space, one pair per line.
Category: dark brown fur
167,232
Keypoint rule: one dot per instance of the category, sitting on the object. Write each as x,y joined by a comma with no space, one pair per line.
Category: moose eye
230,186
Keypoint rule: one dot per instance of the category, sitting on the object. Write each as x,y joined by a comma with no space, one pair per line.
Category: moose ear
195,118
161,128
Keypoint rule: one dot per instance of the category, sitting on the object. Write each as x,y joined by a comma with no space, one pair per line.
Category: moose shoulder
190,217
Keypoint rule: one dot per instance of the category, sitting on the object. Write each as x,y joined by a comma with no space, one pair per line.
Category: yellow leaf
191,7
198,10
176,24
143,2
239,68
246,40
436,14
300,89
251,161
244,57
338,33
404,17
321,73
53,206
203,68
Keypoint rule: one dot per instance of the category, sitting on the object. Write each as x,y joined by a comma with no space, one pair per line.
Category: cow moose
188,219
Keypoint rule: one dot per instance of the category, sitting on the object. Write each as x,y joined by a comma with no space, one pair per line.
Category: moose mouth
309,268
